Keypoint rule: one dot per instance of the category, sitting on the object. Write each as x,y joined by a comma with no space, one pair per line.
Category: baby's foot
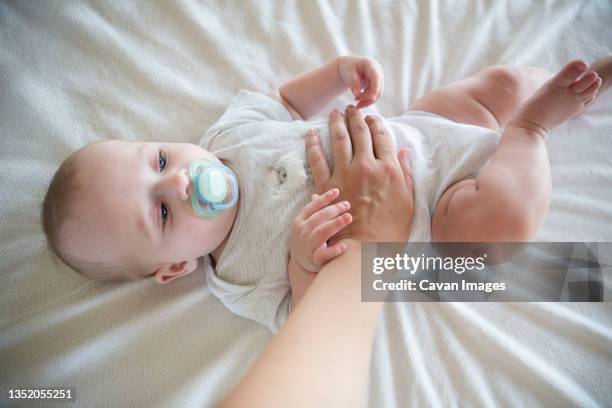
563,97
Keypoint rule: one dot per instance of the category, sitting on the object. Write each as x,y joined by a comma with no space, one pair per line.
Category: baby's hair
57,209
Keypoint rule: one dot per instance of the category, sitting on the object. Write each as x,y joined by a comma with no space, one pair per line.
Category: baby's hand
365,78
318,222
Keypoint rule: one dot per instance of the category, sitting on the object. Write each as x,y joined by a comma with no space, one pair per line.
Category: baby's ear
170,272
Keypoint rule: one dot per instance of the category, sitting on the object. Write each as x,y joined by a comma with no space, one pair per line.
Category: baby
118,209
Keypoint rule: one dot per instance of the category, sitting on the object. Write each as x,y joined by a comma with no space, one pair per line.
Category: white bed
77,71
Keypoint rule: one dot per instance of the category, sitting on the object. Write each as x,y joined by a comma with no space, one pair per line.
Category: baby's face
137,205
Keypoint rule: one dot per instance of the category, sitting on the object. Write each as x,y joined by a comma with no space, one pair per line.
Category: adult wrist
352,244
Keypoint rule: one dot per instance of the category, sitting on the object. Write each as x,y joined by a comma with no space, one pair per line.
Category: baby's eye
162,160
164,214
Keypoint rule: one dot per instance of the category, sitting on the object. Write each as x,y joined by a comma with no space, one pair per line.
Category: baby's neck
216,254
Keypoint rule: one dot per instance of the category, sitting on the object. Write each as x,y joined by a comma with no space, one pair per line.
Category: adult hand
370,174
331,318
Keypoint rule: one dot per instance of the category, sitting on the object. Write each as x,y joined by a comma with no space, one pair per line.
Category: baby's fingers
323,255
375,80
325,214
327,230
318,202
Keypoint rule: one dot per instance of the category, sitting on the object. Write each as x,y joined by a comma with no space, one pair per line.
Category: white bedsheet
77,71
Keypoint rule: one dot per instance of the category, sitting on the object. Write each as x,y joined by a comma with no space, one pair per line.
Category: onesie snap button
281,175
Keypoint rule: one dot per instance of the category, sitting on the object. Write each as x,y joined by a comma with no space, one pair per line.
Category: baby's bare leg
510,197
488,99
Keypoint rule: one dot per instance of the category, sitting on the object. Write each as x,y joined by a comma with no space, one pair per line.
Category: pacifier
215,188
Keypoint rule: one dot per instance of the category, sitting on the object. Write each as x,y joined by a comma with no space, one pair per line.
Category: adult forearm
310,91
321,356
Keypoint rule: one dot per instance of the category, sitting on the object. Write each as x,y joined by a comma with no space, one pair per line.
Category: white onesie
259,140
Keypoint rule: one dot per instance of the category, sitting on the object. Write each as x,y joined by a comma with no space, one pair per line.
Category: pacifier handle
212,185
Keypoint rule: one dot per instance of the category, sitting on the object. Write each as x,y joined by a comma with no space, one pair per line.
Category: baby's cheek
215,231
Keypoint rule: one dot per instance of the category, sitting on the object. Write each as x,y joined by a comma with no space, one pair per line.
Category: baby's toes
589,101
591,91
585,82
570,73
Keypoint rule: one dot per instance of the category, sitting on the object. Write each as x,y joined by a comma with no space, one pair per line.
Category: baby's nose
178,184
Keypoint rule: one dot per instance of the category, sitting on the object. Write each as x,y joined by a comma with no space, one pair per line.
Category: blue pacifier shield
215,188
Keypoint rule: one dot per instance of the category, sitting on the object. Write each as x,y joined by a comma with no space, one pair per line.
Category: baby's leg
488,99
510,197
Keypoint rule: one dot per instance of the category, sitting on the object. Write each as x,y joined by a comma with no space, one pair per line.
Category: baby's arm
306,94
311,229
300,280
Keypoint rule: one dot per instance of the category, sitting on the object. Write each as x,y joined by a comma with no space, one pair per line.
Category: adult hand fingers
316,159
384,148
340,140
360,134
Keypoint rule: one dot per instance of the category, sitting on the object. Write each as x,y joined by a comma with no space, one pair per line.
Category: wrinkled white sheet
76,71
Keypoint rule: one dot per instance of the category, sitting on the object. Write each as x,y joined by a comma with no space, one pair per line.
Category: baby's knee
507,77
